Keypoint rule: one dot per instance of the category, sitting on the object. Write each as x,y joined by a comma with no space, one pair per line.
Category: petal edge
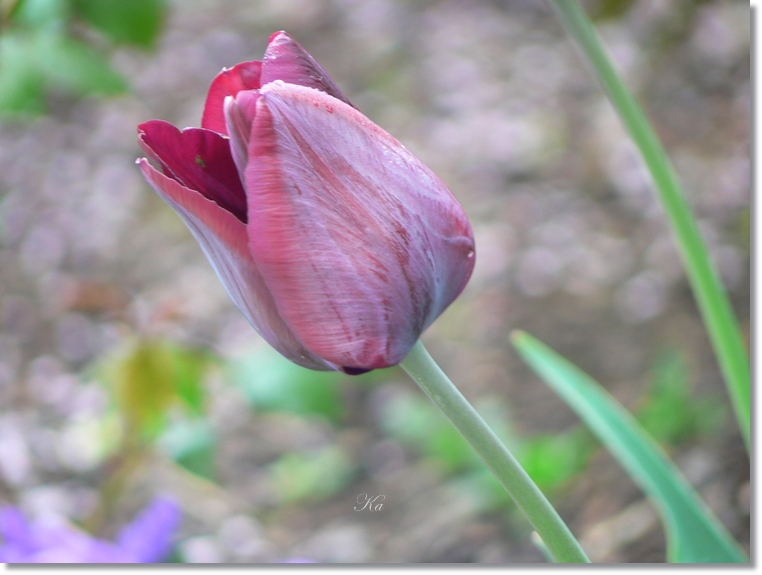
285,59
224,239
198,159
361,245
230,81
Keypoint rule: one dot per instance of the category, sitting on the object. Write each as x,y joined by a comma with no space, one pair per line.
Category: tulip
337,244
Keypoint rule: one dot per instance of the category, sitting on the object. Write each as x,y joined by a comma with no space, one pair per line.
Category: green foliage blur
148,377
551,460
272,384
670,412
158,394
269,382
61,48
158,390
313,476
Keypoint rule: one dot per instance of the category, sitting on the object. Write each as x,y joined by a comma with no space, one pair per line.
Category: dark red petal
243,76
286,60
199,159
360,244
224,240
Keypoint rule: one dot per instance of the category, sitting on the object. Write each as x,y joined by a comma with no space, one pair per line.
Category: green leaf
50,15
311,476
694,534
189,367
192,444
552,460
22,86
35,63
71,66
136,22
670,413
711,297
272,383
147,377
142,387
669,375
667,413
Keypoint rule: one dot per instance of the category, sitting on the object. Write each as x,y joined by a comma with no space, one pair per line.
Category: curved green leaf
712,300
694,534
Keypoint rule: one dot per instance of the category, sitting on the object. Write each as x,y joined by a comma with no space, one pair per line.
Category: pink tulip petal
360,244
239,115
286,60
223,238
243,76
198,159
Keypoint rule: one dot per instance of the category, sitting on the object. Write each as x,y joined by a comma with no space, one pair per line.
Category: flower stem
541,514
712,299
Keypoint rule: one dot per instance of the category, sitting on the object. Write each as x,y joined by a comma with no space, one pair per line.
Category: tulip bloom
337,244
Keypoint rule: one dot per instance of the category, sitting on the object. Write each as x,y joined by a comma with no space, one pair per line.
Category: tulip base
549,526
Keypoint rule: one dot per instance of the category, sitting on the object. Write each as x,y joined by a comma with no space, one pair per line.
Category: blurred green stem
541,514
710,295
122,469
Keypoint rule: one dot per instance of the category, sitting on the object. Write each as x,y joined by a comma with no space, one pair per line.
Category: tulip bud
336,242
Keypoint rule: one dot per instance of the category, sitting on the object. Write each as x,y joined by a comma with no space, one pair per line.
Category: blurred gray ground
572,247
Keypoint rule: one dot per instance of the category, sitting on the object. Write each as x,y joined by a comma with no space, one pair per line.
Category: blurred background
126,372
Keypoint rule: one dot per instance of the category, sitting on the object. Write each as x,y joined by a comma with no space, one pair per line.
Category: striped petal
239,114
224,240
286,60
360,244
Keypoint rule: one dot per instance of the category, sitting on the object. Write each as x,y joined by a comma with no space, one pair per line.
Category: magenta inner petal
243,76
198,159
286,60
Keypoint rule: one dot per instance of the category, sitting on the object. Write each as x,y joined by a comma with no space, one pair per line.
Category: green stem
711,298
546,521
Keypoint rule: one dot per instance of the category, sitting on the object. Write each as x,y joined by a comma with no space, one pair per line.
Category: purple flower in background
147,539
